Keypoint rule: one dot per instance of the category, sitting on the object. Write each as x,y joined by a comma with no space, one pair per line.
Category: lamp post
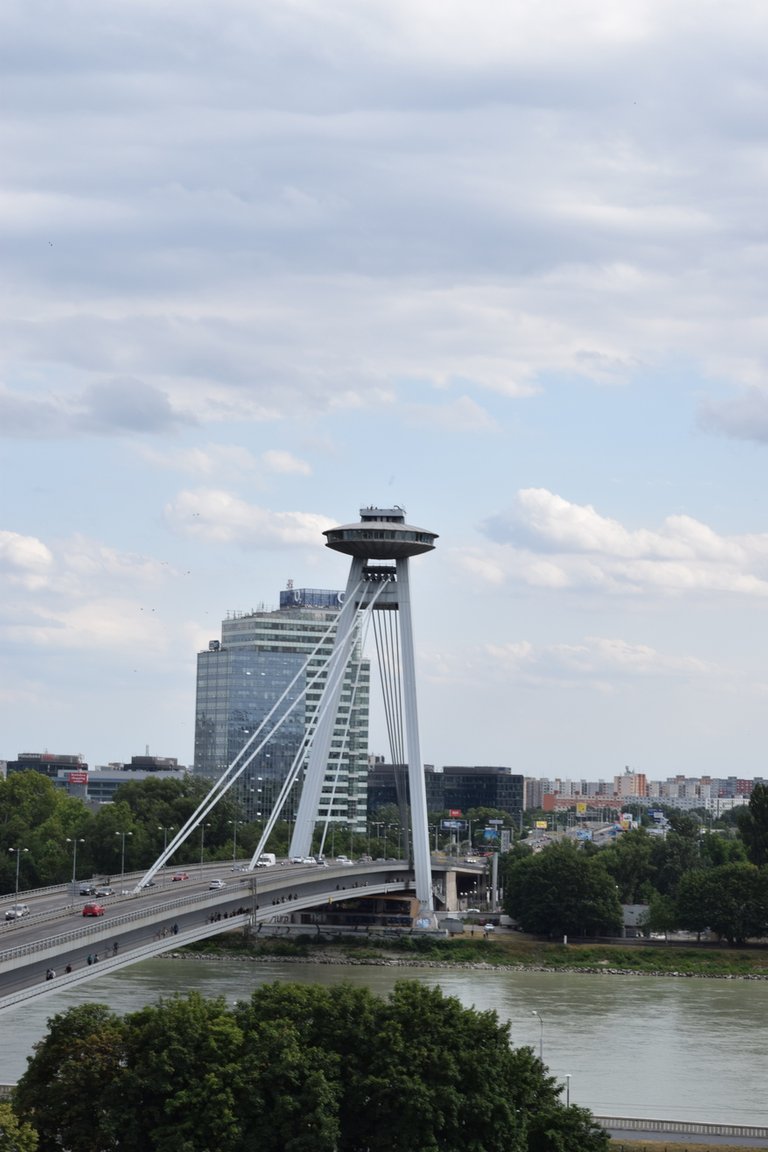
122,836
540,1018
202,846
567,1089
234,824
165,831
73,840
18,852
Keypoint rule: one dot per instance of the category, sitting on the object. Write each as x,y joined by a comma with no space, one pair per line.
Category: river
668,1048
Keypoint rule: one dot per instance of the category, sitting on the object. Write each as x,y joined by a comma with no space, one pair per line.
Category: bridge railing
97,928
686,1127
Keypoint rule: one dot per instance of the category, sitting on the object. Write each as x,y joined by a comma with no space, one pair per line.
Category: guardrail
99,924
683,1127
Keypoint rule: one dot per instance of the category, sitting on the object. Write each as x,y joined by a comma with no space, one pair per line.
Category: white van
266,860
16,911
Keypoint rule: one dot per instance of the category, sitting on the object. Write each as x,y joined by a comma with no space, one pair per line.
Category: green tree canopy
296,1069
14,1135
731,900
752,823
629,861
562,891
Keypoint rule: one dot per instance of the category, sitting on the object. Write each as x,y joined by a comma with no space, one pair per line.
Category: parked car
180,876
93,909
215,884
16,911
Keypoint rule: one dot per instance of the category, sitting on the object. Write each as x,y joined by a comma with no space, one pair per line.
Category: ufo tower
380,547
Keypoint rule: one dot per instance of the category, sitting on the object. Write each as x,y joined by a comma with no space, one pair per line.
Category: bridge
144,922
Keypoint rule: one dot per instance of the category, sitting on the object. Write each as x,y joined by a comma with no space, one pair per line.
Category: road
56,934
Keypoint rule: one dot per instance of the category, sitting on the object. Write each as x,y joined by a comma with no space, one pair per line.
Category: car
344,860
87,889
149,884
180,876
93,909
473,911
16,911
106,891
216,884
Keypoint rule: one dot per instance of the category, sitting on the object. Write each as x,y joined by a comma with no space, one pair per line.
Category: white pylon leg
422,864
312,787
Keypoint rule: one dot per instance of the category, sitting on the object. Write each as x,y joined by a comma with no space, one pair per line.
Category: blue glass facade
242,677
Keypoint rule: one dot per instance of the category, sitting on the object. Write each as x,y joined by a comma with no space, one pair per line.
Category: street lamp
165,831
202,845
73,840
567,1089
541,1033
122,836
234,824
18,852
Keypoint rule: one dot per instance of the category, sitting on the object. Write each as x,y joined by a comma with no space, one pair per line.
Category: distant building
48,763
95,785
243,676
461,788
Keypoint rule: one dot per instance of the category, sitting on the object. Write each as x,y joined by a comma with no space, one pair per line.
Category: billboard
540,824
453,825
77,777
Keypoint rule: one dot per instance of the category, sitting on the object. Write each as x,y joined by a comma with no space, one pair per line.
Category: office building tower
241,678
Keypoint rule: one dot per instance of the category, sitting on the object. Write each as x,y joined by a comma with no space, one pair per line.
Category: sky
500,263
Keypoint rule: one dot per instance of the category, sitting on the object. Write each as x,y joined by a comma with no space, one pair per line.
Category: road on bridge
134,926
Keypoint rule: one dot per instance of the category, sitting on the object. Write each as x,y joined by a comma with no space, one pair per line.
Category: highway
169,914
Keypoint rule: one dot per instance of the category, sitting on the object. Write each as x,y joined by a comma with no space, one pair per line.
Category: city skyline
502,267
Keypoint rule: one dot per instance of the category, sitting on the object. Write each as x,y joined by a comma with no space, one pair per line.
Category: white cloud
99,625
25,560
219,516
545,541
285,463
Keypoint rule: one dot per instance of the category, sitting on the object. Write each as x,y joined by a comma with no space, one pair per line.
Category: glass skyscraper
241,677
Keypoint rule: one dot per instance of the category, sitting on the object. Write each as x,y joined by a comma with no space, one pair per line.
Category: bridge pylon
380,546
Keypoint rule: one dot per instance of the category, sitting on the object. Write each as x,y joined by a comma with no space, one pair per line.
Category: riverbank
512,953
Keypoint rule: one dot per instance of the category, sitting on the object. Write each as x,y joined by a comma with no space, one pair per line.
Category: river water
672,1048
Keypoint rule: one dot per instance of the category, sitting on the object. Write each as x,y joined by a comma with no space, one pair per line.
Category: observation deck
381,534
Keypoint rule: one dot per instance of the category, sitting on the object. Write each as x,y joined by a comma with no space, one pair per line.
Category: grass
672,1146
503,950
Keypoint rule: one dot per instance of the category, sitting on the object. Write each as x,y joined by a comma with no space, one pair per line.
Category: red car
180,876
93,909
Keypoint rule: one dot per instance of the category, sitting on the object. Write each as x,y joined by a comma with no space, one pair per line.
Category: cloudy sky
501,263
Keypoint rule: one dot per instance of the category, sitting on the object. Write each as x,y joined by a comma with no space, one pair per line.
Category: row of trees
46,834
692,879
296,1069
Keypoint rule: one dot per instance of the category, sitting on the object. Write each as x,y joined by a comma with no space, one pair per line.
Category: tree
734,900
752,823
297,1069
629,862
14,1135
662,915
676,854
64,1093
179,1080
562,891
